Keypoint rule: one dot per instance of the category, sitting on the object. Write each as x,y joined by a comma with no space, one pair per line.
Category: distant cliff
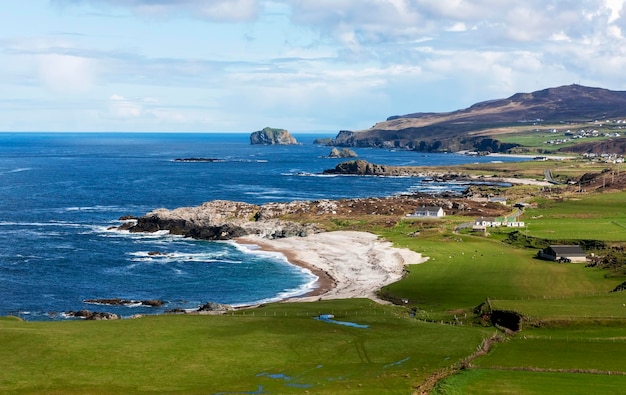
269,136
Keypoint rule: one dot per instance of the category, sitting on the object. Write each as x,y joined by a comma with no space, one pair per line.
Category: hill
478,127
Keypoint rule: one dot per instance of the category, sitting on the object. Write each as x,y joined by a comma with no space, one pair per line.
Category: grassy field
278,349
601,305
537,138
464,270
507,382
573,339
597,217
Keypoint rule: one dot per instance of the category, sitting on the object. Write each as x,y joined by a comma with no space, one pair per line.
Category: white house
428,211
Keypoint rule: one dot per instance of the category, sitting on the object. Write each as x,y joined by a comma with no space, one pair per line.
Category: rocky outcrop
269,136
364,168
215,307
343,153
361,167
221,220
92,315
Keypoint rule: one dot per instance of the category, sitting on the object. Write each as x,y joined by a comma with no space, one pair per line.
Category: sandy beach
349,264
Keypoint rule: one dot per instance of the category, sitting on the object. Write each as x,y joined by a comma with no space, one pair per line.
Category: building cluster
580,134
604,157
482,223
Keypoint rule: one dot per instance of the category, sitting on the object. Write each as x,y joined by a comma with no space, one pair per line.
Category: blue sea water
60,194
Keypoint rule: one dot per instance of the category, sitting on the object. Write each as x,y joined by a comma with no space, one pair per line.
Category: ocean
61,195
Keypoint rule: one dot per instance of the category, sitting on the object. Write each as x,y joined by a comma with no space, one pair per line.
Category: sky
301,65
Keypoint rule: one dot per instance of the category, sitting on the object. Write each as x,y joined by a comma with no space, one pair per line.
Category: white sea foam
166,257
18,170
94,208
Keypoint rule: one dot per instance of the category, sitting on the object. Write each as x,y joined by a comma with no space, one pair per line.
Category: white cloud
123,108
66,73
214,10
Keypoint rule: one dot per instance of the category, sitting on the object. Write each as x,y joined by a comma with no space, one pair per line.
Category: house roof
567,250
429,208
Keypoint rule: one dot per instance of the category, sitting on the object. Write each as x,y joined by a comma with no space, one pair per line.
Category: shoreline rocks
93,315
221,220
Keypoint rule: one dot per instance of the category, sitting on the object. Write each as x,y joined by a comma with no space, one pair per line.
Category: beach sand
349,264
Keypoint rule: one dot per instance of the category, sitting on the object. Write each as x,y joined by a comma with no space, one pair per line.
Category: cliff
269,136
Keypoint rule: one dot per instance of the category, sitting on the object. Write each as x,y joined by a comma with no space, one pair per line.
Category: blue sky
302,65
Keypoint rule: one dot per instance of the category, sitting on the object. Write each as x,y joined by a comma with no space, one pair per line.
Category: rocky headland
270,136
225,220
222,220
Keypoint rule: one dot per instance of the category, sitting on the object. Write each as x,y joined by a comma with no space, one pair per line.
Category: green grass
504,382
558,353
597,306
531,139
278,349
463,271
599,217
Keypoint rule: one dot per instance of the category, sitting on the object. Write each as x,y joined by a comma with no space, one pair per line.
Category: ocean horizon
63,195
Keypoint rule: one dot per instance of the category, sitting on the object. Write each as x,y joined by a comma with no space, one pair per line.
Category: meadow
276,349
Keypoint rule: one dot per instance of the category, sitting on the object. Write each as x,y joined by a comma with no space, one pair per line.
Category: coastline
348,264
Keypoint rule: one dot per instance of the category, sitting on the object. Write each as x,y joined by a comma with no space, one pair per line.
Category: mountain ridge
468,129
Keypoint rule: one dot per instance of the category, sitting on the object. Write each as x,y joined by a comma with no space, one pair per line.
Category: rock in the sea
269,136
343,153
364,168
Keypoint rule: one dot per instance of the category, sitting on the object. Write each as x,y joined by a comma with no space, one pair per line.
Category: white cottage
429,212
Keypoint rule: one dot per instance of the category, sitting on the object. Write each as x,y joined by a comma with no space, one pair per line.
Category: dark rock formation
343,153
93,315
364,168
219,220
324,141
215,307
269,136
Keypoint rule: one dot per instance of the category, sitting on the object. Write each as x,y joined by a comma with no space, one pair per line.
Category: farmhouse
563,253
428,211
500,200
